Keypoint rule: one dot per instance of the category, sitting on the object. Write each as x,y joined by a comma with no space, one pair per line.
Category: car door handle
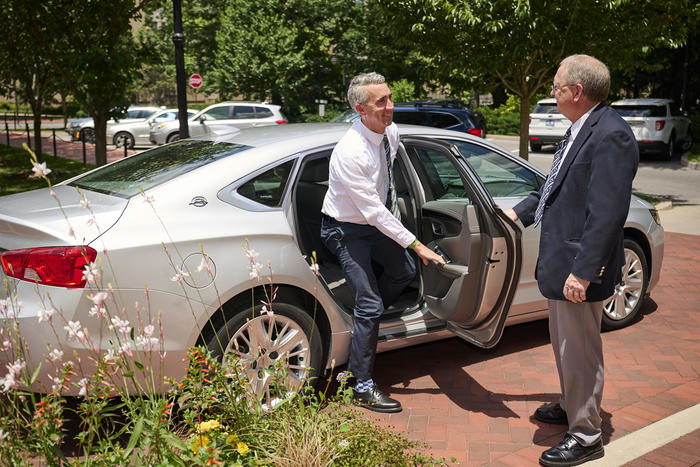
438,229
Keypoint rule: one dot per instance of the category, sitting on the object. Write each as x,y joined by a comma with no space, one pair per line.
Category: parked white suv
220,118
84,128
547,125
658,124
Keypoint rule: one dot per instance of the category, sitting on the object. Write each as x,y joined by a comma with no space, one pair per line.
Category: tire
87,134
124,138
302,342
688,141
535,147
670,147
622,308
172,137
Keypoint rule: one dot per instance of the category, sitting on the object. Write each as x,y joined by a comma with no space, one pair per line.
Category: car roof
547,100
642,101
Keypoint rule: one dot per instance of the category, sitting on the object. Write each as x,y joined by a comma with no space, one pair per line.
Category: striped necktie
556,163
392,184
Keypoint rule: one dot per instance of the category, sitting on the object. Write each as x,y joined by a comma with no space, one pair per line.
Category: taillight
529,121
660,125
474,131
60,266
280,122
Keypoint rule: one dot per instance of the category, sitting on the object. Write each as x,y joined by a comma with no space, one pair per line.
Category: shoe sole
374,408
592,456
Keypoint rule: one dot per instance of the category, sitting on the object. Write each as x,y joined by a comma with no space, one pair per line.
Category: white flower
16,367
85,203
99,298
255,269
146,342
40,170
109,356
148,199
91,273
55,354
46,315
122,326
126,349
97,311
179,275
204,266
57,383
3,434
251,254
74,331
6,344
83,387
314,268
148,330
265,311
344,443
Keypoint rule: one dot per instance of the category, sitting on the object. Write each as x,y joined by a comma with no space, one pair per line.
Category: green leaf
35,375
134,438
139,365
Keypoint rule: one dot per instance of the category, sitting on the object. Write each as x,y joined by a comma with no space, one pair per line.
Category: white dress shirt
358,181
575,128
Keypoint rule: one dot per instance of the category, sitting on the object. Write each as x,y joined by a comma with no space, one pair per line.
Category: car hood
36,218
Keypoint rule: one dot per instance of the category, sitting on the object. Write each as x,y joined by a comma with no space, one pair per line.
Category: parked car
446,114
262,189
84,128
221,118
136,132
658,124
547,125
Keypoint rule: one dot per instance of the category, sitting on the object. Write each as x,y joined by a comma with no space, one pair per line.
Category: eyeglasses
556,89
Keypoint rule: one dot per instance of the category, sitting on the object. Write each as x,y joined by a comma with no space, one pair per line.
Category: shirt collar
368,134
576,126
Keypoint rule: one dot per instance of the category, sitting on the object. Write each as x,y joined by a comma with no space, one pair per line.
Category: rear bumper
545,139
651,146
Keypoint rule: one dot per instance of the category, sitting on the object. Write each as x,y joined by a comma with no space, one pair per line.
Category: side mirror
202,119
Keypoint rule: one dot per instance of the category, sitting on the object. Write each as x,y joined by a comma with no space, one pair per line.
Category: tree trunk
524,124
99,118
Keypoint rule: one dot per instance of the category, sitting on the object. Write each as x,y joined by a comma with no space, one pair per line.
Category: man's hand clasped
575,289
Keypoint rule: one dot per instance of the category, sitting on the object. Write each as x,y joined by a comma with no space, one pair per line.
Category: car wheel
535,147
688,142
88,135
263,341
621,309
671,147
122,139
173,137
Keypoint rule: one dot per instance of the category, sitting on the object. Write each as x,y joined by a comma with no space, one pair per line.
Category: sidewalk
65,149
476,404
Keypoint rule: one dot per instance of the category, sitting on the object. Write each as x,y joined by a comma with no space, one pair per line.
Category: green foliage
402,90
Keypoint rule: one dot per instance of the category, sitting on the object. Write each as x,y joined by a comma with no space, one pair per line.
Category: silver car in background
136,132
83,129
221,118
223,231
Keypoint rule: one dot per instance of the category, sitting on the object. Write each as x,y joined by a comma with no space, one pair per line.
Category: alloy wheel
628,292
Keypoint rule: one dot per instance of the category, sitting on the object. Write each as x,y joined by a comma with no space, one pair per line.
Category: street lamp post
179,41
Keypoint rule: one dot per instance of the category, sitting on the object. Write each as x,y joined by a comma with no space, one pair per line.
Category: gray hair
357,94
591,73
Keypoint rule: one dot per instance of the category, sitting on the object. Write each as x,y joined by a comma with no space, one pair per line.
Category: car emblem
199,202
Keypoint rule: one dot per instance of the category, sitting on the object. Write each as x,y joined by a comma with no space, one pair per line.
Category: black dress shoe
553,414
571,452
376,400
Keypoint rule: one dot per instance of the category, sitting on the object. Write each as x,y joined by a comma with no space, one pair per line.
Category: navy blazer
583,220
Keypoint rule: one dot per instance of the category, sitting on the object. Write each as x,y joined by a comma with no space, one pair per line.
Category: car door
458,219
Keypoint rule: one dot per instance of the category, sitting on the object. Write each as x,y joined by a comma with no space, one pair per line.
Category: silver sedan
215,242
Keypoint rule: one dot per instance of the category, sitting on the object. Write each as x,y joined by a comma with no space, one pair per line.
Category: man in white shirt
359,228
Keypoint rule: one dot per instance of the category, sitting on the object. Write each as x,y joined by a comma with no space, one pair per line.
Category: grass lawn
694,155
16,167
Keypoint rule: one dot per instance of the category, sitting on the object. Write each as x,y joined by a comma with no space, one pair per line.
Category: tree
24,60
96,57
521,42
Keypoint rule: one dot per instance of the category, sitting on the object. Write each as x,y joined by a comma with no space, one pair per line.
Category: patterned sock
364,386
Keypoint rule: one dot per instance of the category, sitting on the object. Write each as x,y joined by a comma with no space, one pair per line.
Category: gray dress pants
574,329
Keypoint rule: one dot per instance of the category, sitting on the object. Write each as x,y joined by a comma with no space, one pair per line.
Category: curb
686,163
664,206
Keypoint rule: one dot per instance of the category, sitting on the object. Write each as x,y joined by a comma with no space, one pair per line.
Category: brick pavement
65,149
475,405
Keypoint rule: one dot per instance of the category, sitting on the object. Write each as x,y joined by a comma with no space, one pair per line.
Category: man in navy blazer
582,210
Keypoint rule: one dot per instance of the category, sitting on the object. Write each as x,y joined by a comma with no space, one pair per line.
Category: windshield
545,109
148,169
641,110
347,116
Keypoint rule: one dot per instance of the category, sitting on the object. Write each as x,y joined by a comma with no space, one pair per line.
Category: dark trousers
356,246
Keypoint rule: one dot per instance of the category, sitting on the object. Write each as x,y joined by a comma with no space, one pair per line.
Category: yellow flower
232,440
205,427
242,448
199,442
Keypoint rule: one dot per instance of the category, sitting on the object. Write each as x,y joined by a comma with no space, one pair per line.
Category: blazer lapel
581,138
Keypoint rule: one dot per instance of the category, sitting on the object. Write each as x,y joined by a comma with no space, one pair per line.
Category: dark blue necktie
392,185
556,163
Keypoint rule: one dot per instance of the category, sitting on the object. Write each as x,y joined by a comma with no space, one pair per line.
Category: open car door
458,219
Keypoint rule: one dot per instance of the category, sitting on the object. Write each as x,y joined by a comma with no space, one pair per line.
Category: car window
675,110
641,110
132,114
268,187
409,117
443,120
545,109
500,176
218,113
439,176
145,170
243,111
262,112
